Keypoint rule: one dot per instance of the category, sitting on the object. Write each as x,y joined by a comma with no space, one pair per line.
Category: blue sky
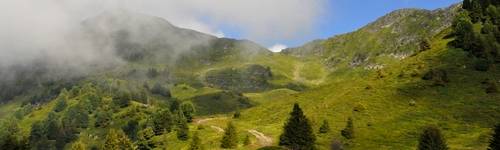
342,16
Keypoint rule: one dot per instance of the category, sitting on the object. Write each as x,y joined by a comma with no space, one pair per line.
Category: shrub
336,144
481,65
431,138
369,86
348,131
359,108
414,73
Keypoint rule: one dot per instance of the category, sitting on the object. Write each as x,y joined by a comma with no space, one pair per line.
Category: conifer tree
61,103
297,131
165,139
495,140
431,139
124,142
36,132
51,126
77,146
196,143
476,12
466,5
144,96
325,128
488,27
95,100
144,141
188,110
348,132
162,119
175,105
183,133
230,139
111,142
493,14
247,141
237,113
484,4
424,43
122,98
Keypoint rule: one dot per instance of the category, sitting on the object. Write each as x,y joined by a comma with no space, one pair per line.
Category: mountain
383,42
373,75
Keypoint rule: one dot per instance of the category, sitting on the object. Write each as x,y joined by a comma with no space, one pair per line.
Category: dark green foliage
75,92
161,90
117,140
493,14
431,139
146,85
61,103
162,119
144,96
247,141
36,132
131,129
51,126
144,141
297,131
61,139
230,139
464,33
488,27
95,100
175,105
484,4
152,73
9,143
476,12
196,143
188,109
28,108
495,140
82,114
467,5
19,114
481,64
424,43
122,98
237,113
183,133
348,132
325,128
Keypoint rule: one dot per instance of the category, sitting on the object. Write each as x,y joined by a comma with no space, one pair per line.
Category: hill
166,75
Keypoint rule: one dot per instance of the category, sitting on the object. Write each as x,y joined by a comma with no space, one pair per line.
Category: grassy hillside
462,108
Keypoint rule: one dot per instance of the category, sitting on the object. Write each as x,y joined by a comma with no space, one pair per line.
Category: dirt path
262,138
203,120
217,128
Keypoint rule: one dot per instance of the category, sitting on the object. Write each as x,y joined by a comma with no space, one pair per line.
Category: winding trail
217,128
262,138
199,121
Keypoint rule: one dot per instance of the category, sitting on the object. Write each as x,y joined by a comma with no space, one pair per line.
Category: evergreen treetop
297,131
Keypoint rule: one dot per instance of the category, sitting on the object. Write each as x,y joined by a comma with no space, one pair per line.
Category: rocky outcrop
252,78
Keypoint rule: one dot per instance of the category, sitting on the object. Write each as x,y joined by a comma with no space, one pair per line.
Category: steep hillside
378,44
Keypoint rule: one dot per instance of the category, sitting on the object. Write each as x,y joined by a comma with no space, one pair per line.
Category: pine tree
196,143
175,105
144,141
424,43
247,141
493,14
95,100
230,139
348,132
189,110
144,96
237,113
36,132
162,119
51,126
466,5
495,140
488,27
183,133
9,143
77,146
431,139
124,142
297,131
122,98
476,12
484,4
464,34
61,103
165,139
75,92
325,128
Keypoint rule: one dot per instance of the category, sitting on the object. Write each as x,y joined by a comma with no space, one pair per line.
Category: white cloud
277,47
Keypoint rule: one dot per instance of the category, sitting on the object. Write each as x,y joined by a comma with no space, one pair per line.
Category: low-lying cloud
32,29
